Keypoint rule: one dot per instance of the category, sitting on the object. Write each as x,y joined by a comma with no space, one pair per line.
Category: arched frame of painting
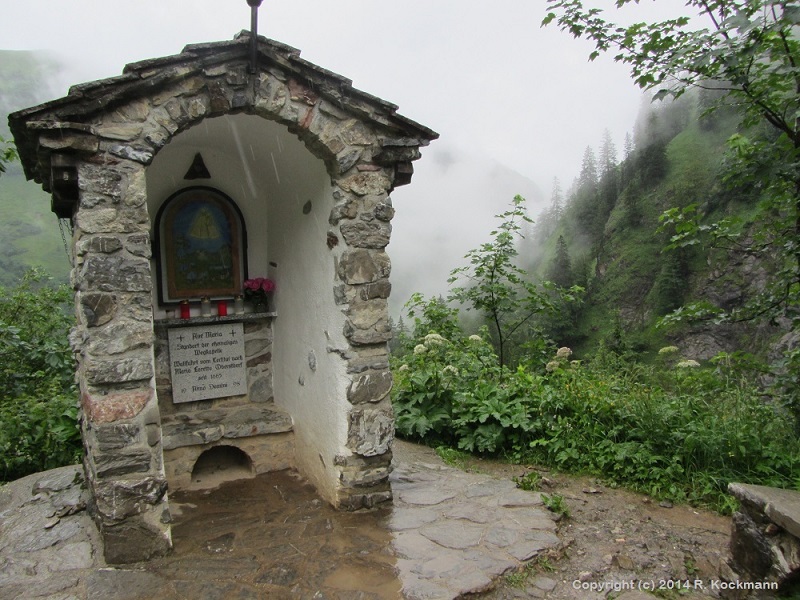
201,246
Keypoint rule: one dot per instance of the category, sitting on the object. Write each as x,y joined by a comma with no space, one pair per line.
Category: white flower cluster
420,349
560,360
434,339
688,364
564,353
475,338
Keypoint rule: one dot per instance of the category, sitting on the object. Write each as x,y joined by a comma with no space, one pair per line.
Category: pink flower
258,286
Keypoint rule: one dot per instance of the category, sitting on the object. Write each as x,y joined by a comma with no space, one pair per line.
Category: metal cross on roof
253,4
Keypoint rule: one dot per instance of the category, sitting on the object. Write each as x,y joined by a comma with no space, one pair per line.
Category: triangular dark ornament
198,169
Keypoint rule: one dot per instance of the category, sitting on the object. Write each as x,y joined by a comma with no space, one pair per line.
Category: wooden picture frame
202,246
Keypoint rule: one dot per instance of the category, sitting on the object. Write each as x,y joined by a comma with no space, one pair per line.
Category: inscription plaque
207,362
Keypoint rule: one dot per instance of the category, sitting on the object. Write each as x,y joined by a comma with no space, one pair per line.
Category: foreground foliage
8,153
675,431
38,406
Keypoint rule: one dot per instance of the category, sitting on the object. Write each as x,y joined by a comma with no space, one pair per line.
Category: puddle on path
271,536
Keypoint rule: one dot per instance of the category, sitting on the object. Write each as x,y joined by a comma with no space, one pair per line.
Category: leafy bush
38,433
38,405
427,378
34,329
674,431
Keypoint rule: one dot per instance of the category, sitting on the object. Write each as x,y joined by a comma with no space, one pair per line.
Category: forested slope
607,234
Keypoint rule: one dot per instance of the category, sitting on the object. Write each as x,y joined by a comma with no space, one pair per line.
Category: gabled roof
76,111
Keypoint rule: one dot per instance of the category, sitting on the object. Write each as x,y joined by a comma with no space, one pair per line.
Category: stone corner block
114,406
123,370
372,386
370,431
134,540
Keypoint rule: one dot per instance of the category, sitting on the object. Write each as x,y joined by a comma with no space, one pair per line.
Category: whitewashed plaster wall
309,381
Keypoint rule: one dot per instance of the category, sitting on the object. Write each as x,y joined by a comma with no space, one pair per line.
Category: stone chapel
184,178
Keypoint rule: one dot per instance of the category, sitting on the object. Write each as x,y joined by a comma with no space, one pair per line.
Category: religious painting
202,246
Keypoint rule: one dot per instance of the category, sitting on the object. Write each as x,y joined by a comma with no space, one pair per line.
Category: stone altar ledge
203,427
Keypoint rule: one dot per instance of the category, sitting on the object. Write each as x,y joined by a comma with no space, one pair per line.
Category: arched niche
220,464
262,167
286,198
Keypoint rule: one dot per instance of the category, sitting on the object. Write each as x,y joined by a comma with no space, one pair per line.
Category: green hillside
610,222
29,231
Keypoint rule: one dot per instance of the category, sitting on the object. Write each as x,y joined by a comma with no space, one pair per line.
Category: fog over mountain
448,209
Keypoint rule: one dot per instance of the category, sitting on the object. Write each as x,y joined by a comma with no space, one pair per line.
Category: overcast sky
502,92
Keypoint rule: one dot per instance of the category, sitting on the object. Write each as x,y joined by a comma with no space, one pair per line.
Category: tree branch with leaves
8,153
496,287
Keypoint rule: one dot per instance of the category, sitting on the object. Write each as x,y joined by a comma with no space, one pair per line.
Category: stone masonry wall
362,213
113,341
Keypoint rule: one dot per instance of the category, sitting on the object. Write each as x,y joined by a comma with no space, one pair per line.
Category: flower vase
261,305
258,292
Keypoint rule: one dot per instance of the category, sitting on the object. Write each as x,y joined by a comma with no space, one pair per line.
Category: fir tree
561,268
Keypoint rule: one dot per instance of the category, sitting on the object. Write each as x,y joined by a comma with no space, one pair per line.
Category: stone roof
76,112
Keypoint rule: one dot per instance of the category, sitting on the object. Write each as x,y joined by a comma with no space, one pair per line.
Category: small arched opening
220,464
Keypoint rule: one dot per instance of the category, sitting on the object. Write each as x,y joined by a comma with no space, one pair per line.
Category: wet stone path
447,533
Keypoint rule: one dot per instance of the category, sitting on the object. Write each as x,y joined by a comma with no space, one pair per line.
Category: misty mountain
25,80
448,209
29,231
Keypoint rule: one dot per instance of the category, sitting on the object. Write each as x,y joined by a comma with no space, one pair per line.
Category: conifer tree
608,155
561,268
588,176
628,147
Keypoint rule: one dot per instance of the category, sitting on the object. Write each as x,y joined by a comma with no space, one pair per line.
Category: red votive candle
222,308
185,309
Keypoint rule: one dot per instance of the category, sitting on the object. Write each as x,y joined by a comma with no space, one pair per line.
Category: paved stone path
456,532
448,533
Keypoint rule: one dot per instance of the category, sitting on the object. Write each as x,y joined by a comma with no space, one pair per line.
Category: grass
452,457
529,482
555,503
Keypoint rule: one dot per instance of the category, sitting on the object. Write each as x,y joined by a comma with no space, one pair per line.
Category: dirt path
615,538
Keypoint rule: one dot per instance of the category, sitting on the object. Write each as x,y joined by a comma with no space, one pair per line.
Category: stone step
780,506
206,426
765,535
